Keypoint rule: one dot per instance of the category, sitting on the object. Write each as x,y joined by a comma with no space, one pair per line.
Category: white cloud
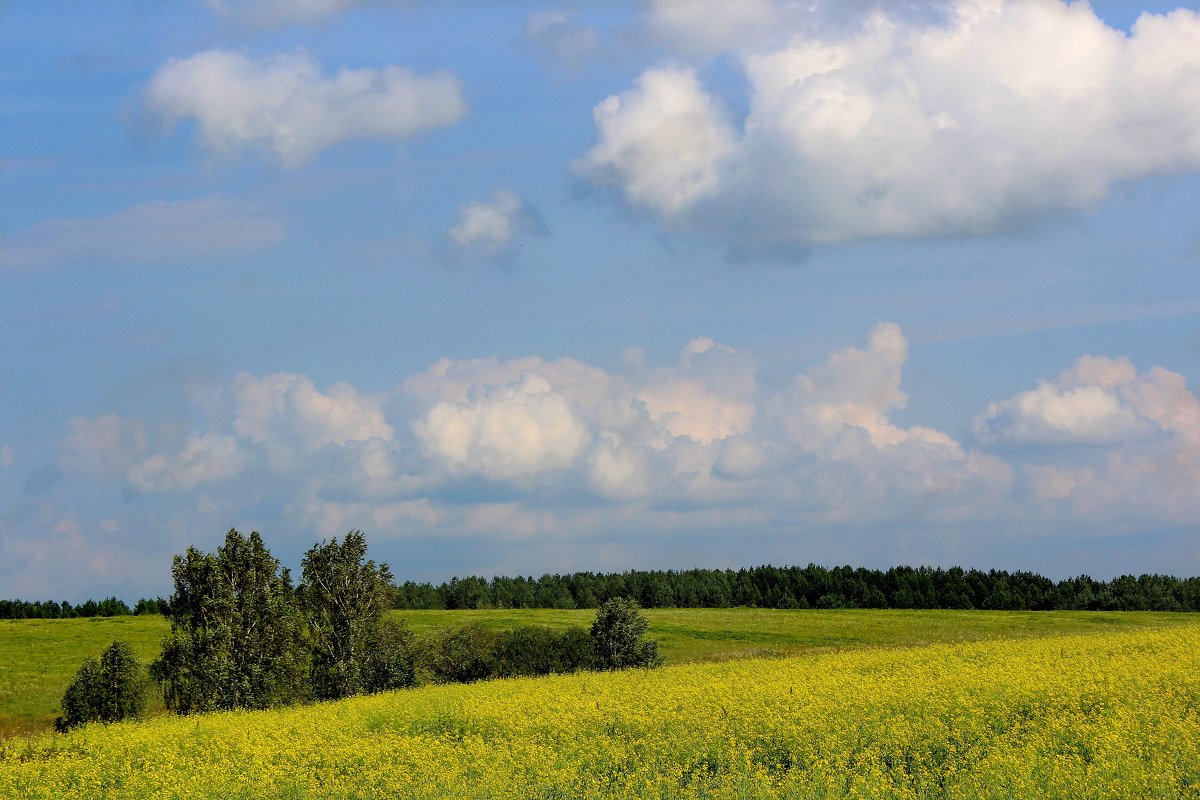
506,432
709,396
906,126
186,230
1097,401
1145,427
661,143
490,229
284,408
287,108
856,388
204,459
535,448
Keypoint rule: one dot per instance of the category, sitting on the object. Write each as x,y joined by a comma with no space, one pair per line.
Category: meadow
1114,713
39,657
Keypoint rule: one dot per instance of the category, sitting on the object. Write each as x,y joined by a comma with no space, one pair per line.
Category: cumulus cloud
285,407
709,396
160,231
1146,427
203,459
507,432
288,108
1097,401
490,229
661,143
529,448
905,125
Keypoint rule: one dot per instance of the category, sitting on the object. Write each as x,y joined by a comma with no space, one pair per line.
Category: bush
538,650
617,636
462,655
389,665
108,690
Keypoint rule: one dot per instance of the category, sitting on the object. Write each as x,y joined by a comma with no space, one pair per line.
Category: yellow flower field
1101,715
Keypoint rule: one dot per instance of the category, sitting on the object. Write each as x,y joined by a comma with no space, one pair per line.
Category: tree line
52,609
757,587
812,587
243,636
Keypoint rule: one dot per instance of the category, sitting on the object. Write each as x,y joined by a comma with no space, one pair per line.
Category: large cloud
994,112
159,231
511,431
288,108
285,407
1146,428
530,449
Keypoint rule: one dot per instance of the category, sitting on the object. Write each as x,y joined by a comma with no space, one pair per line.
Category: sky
529,287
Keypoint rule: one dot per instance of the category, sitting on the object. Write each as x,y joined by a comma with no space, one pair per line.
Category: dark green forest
760,587
813,587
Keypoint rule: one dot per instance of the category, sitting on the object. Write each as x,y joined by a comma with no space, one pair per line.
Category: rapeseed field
1113,715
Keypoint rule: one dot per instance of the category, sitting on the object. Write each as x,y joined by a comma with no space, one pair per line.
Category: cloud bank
971,120
554,452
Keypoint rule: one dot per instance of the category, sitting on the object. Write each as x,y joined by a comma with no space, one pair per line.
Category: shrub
108,690
538,650
617,636
389,664
462,655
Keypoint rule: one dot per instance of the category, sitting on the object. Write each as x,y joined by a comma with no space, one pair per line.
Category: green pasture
39,657
717,634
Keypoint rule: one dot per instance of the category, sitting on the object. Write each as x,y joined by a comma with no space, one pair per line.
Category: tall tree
345,598
235,638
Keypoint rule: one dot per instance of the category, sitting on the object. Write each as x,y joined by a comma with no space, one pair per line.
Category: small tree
617,636
345,598
108,690
235,638
389,663
462,655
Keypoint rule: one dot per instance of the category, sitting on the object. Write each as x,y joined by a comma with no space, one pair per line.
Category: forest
813,587
756,587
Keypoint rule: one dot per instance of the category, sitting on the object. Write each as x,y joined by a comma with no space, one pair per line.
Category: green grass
38,658
717,634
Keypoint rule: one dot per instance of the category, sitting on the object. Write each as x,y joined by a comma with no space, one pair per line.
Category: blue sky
529,287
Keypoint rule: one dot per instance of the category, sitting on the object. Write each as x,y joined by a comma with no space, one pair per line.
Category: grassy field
1113,714
39,657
